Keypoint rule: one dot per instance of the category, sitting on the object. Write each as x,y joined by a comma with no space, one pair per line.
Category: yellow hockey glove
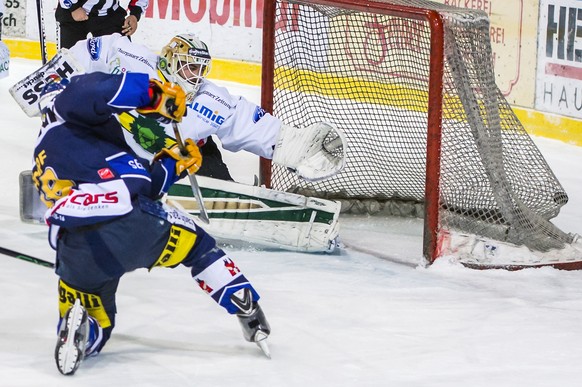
168,102
190,162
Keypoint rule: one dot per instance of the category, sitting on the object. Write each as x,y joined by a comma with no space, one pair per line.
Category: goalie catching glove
315,153
168,102
190,162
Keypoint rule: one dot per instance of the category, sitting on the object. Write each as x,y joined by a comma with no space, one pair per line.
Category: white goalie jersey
314,153
237,122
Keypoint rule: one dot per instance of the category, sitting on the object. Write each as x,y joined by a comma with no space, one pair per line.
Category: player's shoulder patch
94,46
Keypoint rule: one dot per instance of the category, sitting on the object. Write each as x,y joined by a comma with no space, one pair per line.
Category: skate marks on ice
395,239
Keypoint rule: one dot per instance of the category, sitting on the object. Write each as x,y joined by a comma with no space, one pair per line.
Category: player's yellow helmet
186,61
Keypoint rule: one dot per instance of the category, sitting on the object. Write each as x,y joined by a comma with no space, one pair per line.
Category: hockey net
411,84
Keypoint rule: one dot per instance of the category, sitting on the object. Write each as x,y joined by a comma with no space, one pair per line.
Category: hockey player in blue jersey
313,152
103,200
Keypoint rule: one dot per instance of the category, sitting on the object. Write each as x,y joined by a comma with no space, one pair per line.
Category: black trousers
72,31
212,164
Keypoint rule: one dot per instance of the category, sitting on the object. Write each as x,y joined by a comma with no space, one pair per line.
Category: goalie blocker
257,215
26,92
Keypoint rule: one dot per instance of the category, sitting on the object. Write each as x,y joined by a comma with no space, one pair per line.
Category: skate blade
261,341
68,356
67,360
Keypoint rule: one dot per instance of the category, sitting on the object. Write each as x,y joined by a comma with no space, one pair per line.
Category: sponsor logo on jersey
115,67
92,302
67,4
88,199
259,113
148,133
231,266
179,244
135,164
89,203
204,286
94,48
216,98
48,183
105,173
139,58
208,113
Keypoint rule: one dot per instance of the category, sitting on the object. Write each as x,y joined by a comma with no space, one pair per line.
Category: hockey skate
254,324
72,341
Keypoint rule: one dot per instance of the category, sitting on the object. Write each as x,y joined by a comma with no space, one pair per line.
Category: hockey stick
28,258
41,31
195,187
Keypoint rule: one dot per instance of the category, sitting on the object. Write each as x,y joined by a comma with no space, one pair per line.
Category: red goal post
411,83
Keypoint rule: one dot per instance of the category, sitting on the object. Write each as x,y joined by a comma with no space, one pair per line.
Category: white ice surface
350,319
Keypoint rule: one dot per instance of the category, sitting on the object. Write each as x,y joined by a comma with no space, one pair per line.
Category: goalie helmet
186,61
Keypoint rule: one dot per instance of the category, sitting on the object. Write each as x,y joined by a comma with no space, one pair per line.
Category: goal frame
435,93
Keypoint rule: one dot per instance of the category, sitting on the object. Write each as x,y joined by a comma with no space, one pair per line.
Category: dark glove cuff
135,11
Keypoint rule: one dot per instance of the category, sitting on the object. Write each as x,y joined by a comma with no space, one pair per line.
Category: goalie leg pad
263,216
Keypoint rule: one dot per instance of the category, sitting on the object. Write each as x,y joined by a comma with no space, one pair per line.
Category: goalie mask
186,61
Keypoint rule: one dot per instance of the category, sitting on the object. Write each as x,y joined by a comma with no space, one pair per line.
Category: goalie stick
202,215
25,257
41,31
4,54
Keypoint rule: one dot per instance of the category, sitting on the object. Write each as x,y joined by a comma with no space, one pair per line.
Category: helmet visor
191,69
